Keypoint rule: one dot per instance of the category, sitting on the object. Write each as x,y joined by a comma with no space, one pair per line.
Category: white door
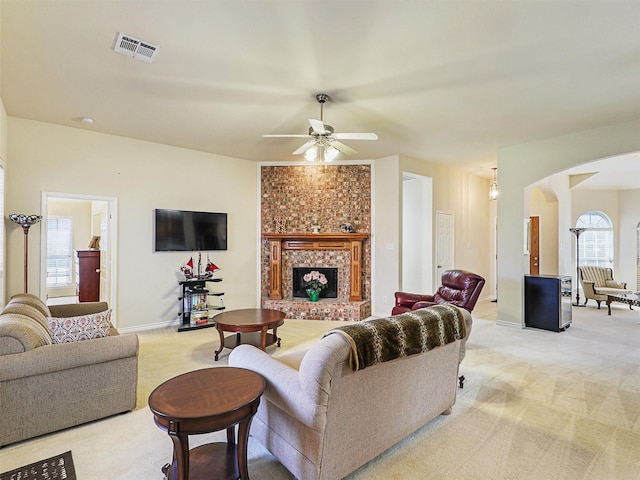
445,227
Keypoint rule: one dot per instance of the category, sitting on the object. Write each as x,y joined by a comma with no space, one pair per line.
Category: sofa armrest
283,383
615,284
588,288
66,356
404,299
423,304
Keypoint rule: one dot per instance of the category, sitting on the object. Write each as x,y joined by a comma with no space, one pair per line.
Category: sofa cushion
31,300
76,309
611,291
614,284
29,311
82,327
21,333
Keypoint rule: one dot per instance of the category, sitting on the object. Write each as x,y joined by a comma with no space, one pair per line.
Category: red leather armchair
459,287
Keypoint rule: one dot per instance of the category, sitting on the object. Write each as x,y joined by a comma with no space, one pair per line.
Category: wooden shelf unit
194,303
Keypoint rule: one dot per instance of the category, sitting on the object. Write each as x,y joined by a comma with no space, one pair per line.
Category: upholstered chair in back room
597,282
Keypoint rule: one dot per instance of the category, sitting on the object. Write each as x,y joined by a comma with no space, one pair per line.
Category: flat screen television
181,231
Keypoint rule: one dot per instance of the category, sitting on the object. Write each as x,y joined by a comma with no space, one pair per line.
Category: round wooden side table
248,320
206,401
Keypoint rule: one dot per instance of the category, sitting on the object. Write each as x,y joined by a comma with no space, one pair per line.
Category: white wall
3,158
455,191
142,176
629,219
3,233
522,165
387,212
467,197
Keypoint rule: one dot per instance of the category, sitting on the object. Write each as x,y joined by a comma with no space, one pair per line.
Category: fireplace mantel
315,241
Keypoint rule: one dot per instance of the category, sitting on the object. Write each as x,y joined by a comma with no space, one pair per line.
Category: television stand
196,308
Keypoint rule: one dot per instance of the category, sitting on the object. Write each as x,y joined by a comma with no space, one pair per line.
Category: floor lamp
25,221
577,232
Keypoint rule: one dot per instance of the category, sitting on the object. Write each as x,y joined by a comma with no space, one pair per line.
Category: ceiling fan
323,143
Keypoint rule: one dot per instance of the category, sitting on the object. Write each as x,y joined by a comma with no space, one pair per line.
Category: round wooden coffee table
206,401
248,320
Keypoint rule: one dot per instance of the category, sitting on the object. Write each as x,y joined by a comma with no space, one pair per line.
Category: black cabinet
547,302
198,305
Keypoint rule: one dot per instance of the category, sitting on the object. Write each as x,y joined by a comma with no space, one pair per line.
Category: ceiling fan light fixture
311,154
322,144
330,154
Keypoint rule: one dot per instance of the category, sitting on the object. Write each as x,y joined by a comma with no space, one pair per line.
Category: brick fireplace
294,198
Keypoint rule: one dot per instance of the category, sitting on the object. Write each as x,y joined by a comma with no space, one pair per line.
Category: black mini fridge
547,302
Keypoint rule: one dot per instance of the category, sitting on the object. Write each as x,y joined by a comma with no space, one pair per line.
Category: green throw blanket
384,339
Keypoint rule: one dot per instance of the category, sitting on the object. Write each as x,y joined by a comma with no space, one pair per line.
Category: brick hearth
324,309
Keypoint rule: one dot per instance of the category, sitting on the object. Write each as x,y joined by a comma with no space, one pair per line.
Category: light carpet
536,405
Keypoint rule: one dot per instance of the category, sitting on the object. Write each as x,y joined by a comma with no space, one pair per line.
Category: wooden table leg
609,305
263,339
243,444
231,435
217,352
180,452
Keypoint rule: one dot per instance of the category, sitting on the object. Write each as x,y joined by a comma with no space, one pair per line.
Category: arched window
596,242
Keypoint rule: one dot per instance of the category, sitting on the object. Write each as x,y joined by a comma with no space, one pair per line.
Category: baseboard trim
148,326
502,323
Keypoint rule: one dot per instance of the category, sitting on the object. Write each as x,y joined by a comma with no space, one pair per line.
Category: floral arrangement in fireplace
314,283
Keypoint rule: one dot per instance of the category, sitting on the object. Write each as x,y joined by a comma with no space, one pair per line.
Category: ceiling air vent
133,47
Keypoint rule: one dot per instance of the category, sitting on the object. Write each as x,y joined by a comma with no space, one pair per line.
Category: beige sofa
322,420
46,387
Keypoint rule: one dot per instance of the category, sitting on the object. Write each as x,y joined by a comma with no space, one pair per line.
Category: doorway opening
93,220
417,233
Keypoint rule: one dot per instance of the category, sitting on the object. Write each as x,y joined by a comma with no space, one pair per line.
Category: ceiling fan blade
355,136
342,147
317,126
286,135
304,147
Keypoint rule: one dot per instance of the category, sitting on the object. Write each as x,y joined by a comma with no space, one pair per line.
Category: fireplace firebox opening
332,281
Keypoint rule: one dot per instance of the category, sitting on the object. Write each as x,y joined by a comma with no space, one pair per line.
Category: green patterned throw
384,339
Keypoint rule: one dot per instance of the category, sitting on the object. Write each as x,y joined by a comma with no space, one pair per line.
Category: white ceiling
444,81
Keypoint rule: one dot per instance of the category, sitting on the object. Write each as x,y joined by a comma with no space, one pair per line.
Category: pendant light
493,189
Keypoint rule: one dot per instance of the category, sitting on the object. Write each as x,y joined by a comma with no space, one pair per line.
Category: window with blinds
596,242
59,251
